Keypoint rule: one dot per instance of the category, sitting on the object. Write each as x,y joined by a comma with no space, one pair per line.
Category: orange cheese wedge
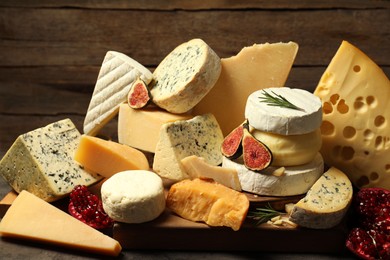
32,218
107,157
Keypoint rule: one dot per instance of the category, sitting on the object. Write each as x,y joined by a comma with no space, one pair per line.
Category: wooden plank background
51,51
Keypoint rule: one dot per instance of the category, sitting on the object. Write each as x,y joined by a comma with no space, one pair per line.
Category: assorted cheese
355,94
107,157
31,218
278,181
197,167
41,162
345,119
326,203
209,202
114,81
253,68
140,128
185,76
135,196
199,136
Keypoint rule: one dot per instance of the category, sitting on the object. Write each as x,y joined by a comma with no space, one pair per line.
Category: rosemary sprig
262,215
277,100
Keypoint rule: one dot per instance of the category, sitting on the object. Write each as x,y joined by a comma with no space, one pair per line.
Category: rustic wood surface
51,51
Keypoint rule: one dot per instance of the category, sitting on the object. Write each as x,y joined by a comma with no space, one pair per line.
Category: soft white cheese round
282,120
134,196
295,180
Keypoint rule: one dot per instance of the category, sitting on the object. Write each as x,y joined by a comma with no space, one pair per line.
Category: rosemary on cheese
262,215
277,100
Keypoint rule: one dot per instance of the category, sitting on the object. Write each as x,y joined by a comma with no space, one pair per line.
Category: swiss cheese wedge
355,94
32,218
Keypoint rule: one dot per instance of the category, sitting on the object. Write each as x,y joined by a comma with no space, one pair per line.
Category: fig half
256,155
139,95
232,144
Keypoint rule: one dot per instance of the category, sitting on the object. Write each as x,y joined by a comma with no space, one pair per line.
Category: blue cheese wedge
278,181
326,203
116,75
41,162
200,136
265,115
185,76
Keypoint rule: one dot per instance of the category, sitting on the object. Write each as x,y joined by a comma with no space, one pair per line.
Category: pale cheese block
208,201
278,181
41,162
355,94
290,150
326,203
282,120
199,136
140,128
135,196
116,75
197,167
253,68
107,157
185,76
31,218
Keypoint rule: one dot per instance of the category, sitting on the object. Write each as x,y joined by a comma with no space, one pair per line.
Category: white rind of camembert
326,203
185,76
282,120
294,180
116,75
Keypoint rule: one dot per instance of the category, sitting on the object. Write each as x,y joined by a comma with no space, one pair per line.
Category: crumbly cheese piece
31,218
295,180
114,81
290,150
253,68
197,167
199,136
281,120
326,203
209,202
108,157
185,76
356,114
41,162
135,196
140,128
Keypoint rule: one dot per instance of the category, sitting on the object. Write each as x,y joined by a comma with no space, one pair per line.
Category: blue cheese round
185,76
133,196
264,111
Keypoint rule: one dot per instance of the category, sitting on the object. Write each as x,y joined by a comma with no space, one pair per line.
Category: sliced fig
231,146
257,156
139,95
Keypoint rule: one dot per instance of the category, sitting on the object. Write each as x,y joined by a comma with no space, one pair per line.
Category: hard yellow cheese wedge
108,157
34,219
356,117
253,68
197,167
140,128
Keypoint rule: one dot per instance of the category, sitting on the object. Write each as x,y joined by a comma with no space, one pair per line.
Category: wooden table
51,52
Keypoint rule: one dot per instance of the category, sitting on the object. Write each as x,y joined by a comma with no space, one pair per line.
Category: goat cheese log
185,76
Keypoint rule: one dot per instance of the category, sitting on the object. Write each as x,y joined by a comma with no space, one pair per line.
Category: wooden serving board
171,232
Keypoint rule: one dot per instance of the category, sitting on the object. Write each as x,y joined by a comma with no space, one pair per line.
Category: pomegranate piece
371,238
88,208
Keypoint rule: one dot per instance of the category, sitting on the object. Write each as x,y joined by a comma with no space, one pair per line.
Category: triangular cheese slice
115,79
253,68
32,218
355,130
